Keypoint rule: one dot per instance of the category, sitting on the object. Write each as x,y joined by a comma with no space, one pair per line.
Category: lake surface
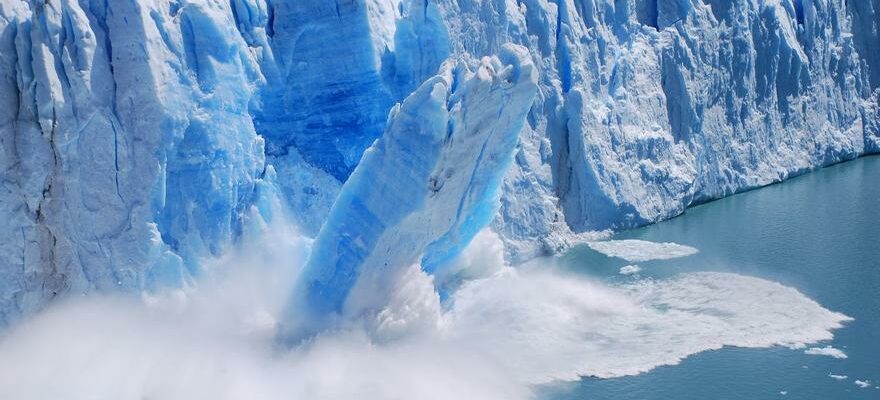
818,233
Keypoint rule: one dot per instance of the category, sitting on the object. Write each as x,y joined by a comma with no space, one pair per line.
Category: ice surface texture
128,149
135,136
423,190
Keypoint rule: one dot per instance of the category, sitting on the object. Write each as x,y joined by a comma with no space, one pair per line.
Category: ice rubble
634,250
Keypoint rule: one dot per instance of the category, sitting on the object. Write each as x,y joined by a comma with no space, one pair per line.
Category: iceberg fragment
634,250
825,351
422,190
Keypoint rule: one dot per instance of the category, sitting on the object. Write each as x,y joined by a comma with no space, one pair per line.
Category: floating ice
634,250
825,351
596,330
630,269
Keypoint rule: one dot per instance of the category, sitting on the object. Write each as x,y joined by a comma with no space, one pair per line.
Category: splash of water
502,331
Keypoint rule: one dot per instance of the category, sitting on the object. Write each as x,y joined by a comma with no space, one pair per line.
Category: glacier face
128,147
650,106
137,135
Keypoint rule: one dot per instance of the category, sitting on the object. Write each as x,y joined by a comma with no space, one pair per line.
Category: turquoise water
819,233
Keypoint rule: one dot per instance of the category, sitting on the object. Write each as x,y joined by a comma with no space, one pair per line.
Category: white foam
481,259
412,307
630,270
585,328
825,351
501,334
633,250
863,384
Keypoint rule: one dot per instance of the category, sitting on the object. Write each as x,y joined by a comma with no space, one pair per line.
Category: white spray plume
505,330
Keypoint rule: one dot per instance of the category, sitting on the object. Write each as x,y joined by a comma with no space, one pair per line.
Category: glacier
140,137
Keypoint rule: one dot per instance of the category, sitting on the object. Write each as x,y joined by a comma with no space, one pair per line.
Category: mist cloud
503,331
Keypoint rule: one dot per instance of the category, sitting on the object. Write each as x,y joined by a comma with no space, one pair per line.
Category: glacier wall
136,135
647,107
128,149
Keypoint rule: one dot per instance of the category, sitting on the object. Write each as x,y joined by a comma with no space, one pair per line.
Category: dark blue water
819,233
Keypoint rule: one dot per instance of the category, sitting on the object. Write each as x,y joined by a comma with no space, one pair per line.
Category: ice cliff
139,136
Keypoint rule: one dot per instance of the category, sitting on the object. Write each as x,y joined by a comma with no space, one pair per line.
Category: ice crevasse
138,137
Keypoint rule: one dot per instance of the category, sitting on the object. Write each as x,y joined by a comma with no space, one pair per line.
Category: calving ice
138,134
145,143
422,191
506,333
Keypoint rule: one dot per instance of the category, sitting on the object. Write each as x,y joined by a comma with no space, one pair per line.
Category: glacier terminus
434,199
407,140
